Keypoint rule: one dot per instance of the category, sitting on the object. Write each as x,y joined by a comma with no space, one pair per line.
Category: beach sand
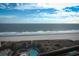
64,36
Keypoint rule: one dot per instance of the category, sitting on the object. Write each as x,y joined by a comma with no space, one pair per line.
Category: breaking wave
37,33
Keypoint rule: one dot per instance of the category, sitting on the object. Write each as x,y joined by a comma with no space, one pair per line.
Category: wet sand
64,36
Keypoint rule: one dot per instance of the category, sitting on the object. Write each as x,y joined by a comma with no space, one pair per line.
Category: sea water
34,29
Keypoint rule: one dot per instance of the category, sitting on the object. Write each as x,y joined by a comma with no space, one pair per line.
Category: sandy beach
71,36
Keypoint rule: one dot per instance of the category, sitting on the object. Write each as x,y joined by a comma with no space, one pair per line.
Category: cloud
39,13
58,6
58,15
72,20
46,18
7,18
23,6
20,6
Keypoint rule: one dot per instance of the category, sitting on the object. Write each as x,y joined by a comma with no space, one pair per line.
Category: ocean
34,29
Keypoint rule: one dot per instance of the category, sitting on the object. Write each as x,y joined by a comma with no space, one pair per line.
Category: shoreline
37,33
70,36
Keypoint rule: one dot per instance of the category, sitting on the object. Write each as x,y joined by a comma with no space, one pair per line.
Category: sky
39,12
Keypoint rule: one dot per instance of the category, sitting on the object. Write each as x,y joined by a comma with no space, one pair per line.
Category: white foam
37,33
